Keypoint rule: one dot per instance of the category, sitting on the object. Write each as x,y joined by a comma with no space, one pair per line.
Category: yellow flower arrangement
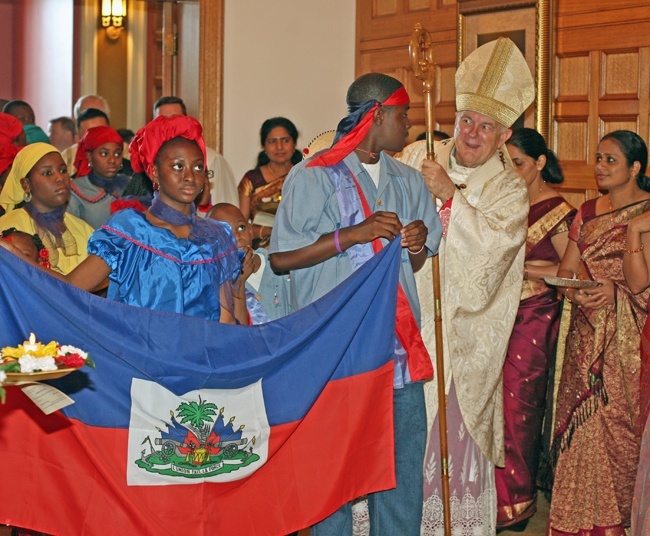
32,356
41,350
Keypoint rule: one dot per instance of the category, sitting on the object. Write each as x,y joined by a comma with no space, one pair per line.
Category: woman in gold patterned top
531,350
260,190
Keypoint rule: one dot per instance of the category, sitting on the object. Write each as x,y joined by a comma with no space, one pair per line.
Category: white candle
30,346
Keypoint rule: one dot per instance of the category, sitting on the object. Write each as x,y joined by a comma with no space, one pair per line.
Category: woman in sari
636,267
596,437
261,188
35,197
534,336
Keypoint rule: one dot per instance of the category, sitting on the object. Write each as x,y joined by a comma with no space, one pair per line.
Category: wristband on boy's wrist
337,244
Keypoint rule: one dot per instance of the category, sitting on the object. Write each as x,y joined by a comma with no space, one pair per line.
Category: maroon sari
525,371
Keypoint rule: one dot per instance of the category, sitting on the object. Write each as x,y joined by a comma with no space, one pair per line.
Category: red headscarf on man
93,138
353,137
149,139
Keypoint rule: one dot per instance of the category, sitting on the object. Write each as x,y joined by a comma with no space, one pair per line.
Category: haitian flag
190,426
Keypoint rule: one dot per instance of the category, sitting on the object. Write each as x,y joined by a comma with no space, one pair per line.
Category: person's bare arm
239,315
245,205
89,275
570,267
636,259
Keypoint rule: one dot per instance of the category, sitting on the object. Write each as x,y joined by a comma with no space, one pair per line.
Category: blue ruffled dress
154,269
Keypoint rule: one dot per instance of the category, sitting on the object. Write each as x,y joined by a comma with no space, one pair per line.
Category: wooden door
185,58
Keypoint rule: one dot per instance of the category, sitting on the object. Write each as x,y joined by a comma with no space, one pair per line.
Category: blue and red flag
190,426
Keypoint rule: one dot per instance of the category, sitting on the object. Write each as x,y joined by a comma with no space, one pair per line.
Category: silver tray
571,283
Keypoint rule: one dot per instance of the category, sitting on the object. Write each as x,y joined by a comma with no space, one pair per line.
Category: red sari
525,371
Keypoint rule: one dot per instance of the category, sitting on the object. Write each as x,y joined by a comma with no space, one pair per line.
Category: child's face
106,159
25,245
240,227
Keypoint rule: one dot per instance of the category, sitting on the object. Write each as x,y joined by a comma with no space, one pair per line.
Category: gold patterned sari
264,196
596,438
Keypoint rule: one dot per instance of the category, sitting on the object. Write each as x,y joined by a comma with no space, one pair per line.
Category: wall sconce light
113,14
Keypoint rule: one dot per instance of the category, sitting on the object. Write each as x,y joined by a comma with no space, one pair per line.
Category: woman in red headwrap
98,181
166,258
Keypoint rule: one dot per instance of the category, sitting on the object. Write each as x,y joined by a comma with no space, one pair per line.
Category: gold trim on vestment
487,106
496,68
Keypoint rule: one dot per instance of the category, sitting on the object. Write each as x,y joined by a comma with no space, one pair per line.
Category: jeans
395,511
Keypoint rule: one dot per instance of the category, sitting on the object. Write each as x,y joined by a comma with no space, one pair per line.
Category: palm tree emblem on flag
198,442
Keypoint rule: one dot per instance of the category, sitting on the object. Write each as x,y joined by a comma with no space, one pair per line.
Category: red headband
93,138
352,139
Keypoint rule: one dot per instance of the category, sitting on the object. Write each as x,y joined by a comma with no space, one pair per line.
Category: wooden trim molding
211,43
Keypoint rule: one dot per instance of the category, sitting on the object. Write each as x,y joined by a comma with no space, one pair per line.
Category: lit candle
30,346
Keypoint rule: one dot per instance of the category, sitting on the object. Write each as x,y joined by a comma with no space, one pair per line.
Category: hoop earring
155,186
27,196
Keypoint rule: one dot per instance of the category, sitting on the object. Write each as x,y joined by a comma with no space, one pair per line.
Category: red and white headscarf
148,140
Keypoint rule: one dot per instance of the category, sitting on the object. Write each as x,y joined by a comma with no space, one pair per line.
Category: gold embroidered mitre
495,80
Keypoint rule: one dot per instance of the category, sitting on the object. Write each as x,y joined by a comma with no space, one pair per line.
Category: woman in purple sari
534,336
